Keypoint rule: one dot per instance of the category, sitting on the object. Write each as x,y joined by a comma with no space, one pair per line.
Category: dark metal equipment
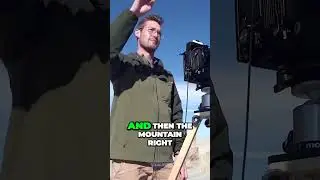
196,66
283,36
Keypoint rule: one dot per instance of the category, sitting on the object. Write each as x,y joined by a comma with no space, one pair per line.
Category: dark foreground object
56,56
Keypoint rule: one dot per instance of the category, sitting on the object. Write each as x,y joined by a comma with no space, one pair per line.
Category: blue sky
182,23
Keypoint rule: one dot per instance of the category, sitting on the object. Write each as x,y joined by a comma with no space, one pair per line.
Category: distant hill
198,160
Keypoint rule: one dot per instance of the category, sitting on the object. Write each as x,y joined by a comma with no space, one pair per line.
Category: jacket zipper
157,99
158,109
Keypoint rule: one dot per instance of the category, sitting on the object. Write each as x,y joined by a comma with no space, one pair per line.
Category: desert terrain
198,160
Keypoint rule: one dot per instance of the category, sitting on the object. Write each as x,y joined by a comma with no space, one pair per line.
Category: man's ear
137,33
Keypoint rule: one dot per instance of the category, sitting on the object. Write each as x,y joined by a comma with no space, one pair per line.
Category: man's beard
150,49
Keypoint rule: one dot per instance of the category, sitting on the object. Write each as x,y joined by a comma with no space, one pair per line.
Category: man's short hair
151,17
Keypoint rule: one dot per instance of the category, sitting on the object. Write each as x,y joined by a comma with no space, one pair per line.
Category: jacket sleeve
221,154
120,31
177,114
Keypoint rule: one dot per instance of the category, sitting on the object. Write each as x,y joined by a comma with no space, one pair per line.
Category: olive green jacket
142,92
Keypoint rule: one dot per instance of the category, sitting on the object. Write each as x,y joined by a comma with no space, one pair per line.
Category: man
143,90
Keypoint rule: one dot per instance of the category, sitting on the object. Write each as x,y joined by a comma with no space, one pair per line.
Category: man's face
149,35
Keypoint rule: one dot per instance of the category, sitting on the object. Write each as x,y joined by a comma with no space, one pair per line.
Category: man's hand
141,7
183,175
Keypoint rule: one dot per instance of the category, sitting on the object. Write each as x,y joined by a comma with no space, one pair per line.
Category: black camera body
196,67
285,38
196,64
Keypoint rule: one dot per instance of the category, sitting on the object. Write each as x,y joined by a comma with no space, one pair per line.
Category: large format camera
196,67
196,64
284,36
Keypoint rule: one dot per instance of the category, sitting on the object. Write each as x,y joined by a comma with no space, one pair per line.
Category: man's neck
147,55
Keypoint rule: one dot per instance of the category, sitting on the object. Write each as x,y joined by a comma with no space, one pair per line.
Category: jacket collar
136,56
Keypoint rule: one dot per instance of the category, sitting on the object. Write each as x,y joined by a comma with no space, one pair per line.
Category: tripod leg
184,152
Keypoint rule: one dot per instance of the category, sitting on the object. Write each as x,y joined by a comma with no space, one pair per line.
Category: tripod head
281,36
196,66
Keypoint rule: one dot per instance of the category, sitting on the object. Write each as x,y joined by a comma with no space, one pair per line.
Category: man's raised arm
123,26
120,31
